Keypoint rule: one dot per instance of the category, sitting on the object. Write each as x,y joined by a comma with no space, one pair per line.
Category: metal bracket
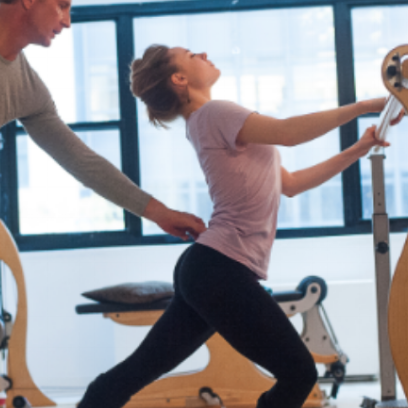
394,72
381,235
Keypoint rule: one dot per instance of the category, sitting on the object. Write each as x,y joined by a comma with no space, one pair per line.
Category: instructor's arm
179,224
52,135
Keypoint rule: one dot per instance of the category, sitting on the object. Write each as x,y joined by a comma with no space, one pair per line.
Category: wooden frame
232,376
17,370
236,379
398,297
398,318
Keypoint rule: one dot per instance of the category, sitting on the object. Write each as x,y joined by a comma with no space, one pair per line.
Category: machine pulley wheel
310,280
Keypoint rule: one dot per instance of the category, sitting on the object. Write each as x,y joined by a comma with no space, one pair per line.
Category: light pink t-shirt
244,184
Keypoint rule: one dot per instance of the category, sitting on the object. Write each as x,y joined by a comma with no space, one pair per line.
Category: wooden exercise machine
235,379
392,299
20,384
395,77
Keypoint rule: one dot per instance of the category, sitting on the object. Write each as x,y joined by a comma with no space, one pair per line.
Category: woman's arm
303,180
300,129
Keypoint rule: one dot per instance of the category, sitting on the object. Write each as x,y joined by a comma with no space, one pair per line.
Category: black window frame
123,15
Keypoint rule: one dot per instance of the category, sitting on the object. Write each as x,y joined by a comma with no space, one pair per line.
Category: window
377,30
110,2
52,201
80,70
275,59
295,73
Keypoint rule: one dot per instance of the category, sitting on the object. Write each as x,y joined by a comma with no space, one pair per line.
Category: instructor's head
40,20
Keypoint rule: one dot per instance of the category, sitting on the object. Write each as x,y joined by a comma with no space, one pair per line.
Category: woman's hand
377,105
398,118
367,141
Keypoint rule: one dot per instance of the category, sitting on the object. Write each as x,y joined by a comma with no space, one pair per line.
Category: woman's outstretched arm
263,129
306,179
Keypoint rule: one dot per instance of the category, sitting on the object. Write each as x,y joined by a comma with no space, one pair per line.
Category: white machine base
392,404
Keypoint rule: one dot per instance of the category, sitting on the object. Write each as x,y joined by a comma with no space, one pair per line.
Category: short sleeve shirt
244,184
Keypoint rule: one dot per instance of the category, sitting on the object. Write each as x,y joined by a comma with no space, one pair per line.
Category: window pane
376,30
395,171
98,2
52,201
277,62
80,70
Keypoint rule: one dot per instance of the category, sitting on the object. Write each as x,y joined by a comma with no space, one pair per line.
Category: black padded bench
280,297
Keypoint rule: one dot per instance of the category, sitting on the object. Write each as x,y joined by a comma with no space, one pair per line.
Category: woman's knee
302,374
291,389
308,375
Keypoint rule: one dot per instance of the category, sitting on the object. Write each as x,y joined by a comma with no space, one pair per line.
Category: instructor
24,96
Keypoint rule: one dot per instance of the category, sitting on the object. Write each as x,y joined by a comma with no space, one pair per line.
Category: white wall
66,349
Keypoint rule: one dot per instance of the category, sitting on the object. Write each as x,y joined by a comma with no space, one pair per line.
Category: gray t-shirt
24,96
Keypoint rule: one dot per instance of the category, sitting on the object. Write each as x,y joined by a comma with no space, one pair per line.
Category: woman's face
200,72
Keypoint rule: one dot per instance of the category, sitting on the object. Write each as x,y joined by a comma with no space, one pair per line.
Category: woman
217,278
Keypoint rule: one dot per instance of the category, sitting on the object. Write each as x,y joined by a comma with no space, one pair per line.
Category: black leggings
214,293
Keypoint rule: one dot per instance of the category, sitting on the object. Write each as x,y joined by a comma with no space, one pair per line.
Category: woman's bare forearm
303,180
304,128
301,129
314,176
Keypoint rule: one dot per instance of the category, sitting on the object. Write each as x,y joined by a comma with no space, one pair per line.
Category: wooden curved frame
398,318
398,297
231,375
402,94
17,368
236,379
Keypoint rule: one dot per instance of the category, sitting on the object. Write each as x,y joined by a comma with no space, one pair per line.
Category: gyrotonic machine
392,298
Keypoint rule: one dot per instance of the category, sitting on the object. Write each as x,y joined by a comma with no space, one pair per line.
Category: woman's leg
230,299
177,334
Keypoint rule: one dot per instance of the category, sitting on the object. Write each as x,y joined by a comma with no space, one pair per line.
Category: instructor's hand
179,224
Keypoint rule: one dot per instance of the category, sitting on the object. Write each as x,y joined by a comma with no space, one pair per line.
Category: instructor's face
47,19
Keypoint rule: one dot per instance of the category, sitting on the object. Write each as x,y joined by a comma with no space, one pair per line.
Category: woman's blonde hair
150,81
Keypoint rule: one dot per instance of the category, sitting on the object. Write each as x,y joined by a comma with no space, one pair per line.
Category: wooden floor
350,395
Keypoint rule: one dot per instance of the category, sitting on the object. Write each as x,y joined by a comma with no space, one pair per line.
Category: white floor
350,395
